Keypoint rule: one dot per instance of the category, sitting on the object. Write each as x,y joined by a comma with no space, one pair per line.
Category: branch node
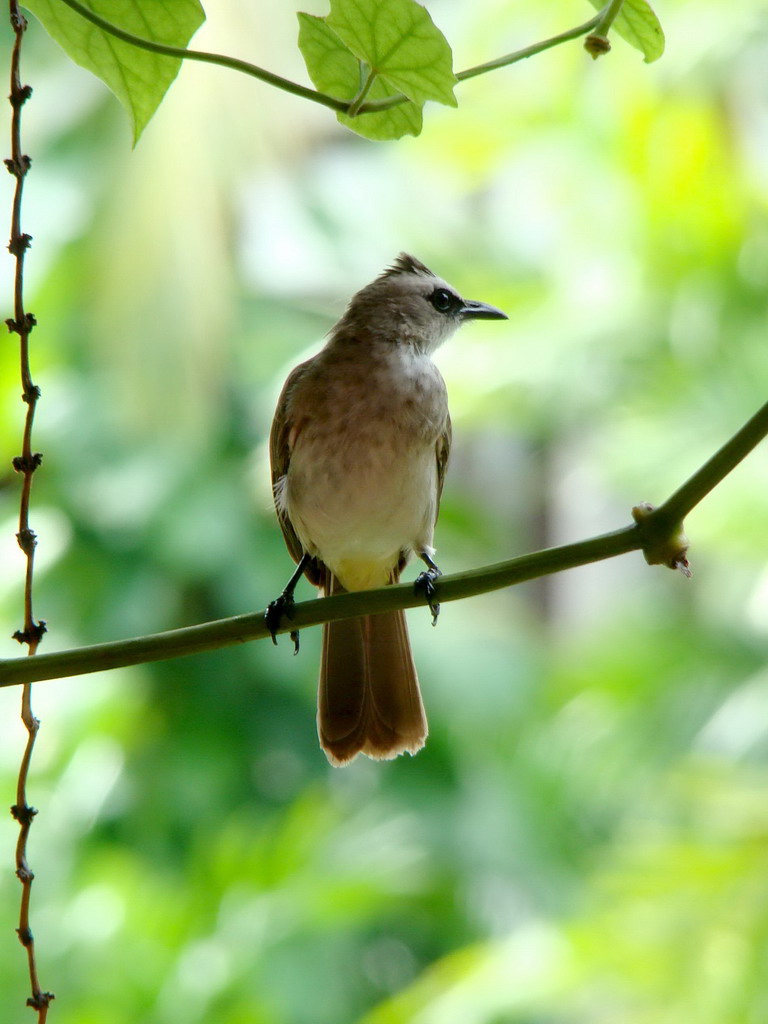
31,395
26,938
663,544
20,95
33,635
596,46
19,244
18,166
41,1000
18,21
27,539
24,464
29,320
24,814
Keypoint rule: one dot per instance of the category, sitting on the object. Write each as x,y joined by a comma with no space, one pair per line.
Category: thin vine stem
374,106
655,531
233,63
352,107
32,631
529,51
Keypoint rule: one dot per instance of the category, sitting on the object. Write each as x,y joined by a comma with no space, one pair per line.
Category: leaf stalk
597,43
365,88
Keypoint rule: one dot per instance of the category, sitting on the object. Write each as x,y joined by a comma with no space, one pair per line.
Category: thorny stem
355,106
647,535
22,323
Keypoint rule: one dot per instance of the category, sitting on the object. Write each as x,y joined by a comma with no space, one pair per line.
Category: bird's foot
281,606
425,586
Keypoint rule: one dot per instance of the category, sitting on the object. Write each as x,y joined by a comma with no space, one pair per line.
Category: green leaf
138,78
638,25
399,41
335,70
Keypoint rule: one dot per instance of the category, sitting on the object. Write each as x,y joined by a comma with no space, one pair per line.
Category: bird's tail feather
368,698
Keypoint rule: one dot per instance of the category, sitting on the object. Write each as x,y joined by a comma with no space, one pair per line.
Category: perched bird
358,449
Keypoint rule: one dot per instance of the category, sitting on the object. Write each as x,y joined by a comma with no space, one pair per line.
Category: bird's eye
442,300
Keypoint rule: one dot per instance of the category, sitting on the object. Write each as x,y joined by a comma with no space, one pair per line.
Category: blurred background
584,838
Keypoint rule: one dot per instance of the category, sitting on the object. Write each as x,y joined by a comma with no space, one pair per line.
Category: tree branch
715,469
241,628
656,532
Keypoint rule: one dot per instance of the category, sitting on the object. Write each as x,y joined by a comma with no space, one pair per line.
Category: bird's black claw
425,585
282,606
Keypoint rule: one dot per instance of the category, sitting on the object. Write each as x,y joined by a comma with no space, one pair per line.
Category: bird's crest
406,264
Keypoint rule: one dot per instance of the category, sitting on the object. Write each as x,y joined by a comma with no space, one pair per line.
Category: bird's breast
362,479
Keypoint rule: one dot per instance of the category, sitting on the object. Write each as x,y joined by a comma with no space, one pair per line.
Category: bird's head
408,304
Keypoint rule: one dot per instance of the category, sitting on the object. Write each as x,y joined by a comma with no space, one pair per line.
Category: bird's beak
471,310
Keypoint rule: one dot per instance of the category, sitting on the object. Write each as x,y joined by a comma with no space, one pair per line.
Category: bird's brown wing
282,437
442,450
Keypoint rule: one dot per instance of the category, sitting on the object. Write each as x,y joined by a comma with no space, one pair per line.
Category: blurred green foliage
584,837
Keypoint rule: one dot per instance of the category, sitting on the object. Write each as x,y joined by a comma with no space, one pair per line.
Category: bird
358,450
